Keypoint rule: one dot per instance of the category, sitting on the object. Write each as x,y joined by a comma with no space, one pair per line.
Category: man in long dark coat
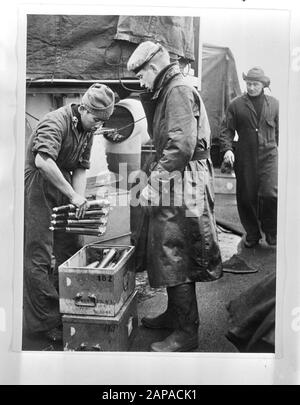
58,155
254,116
182,237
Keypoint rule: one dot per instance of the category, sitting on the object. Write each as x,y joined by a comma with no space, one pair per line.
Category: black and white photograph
151,183
152,186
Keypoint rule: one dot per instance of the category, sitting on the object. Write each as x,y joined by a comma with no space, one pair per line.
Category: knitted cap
99,101
257,74
141,55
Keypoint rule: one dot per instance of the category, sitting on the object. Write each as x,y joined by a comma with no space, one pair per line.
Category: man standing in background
254,116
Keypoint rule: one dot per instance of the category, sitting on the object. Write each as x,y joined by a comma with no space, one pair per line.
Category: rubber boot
185,336
166,320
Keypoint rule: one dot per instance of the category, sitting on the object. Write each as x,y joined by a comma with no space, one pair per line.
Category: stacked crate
98,299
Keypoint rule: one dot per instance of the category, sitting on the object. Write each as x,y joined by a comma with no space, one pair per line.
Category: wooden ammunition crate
94,333
95,291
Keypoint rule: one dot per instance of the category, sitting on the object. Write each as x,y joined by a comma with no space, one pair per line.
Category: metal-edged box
95,333
96,291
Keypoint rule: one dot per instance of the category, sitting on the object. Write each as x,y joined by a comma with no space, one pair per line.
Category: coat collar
249,104
164,76
76,123
246,97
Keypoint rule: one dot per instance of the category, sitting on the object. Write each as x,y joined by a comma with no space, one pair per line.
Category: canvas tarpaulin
175,33
98,47
219,85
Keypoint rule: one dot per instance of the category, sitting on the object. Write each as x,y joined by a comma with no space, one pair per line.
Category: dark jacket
256,152
57,136
182,237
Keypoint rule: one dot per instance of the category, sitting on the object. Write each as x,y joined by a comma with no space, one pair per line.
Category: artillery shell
109,256
90,204
122,255
64,208
93,265
93,221
87,231
102,212
56,228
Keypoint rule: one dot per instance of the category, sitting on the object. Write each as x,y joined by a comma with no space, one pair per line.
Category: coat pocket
270,131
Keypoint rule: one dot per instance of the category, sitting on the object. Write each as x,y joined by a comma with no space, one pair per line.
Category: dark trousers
268,215
40,296
256,212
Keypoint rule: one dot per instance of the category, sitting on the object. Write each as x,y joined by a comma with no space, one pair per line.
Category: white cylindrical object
127,152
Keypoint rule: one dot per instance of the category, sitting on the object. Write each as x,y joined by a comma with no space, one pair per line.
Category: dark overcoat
256,151
182,237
